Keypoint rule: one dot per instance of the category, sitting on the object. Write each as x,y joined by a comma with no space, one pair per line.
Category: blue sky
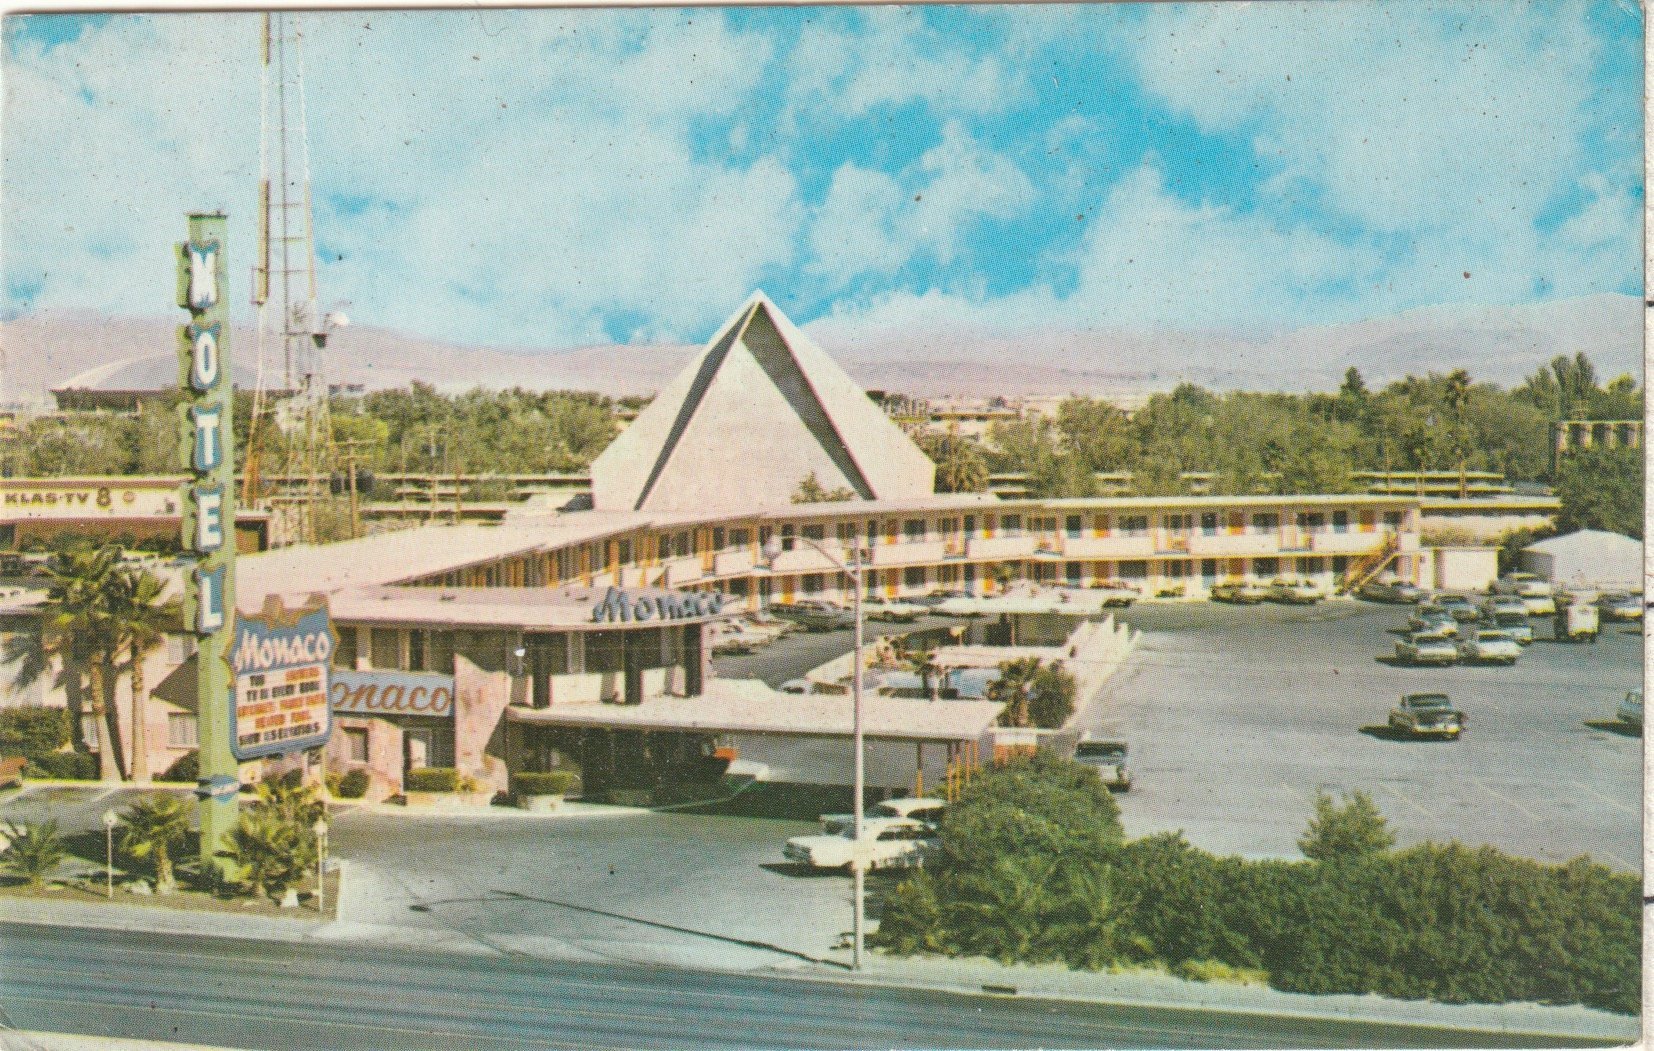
557,178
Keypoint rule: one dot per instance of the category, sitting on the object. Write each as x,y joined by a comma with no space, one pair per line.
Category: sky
565,178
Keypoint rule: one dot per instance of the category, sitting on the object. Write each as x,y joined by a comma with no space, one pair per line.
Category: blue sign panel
279,664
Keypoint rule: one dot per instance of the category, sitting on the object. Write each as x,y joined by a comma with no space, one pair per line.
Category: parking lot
1237,715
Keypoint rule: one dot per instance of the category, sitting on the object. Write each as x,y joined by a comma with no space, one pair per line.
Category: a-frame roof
757,411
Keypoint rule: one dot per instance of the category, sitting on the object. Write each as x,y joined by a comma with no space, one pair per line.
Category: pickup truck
1427,647
1489,646
890,842
1427,715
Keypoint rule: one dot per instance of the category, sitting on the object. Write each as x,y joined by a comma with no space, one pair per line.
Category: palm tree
153,828
79,630
139,620
1457,398
1011,689
33,850
924,666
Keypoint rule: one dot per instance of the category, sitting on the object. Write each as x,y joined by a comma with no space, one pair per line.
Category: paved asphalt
304,996
1237,715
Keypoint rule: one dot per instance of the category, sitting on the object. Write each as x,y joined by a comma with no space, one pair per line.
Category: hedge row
554,783
1033,869
432,779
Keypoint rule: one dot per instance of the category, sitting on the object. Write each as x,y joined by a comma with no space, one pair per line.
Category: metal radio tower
284,284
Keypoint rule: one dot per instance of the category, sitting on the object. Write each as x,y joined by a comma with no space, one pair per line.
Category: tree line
1034,868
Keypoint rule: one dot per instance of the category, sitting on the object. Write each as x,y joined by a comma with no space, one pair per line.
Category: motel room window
605,651
182,730
1011,525
1208,523
1311,521
1134,570
846,534
416,649
739,538
439,652
624,552
387,648
1134,525
1266,522
1340,565
344,654
356,744
812,583
1340,521
1176,570
1071,571
814,531
1073,527
1310,567
1176,524
645,648
914,576
914,530
787,538
1392,520
719,538
1265,567
970,525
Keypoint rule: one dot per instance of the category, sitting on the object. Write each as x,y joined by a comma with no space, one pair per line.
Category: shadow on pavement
799,870
1386,733
1614,726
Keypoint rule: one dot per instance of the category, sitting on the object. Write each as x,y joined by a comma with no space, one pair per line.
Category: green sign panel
207,445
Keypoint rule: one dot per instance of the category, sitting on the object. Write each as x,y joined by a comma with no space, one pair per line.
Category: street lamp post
320,828
109,820
858,867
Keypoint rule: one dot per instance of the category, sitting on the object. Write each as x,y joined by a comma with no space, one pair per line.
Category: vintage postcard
1077,525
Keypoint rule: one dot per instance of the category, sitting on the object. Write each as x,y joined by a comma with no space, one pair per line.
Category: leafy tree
153,828
1012,688
1351,832
33,850
1601,488
1051,695
31,730
139,617
811,491
961,464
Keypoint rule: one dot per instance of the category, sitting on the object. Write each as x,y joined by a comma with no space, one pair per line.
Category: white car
1300,592
1427,647
1489,645
1536,593
918,808
893,610
889,842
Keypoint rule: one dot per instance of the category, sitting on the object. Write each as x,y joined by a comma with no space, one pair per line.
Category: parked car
1517,625
888,842
1489,646
1120,594
1299,592
1241,592
1577,621
733,637
939,596
1431,617
1392,591
1620,606
1521,585
1427,715
875,607
918,808
1108,759
1631,710
1496,605
814,615
796,686
1462,609
1427,647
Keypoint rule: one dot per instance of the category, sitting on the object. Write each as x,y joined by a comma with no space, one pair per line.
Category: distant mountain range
47,349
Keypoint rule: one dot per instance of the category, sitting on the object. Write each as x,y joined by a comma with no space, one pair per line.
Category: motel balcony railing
1117,546
730,563
1234,545
681,571
636,576
999,547
908,553
805,559
1351,543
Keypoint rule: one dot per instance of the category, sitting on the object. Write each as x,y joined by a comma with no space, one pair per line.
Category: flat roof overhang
521,608
749,707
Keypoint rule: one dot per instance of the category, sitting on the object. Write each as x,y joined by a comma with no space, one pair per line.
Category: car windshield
1100,751
1428,700
1493,636
1512,619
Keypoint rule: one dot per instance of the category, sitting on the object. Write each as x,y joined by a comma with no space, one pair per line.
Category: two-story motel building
486,648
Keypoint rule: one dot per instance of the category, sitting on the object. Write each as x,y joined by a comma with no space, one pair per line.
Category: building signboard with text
279,666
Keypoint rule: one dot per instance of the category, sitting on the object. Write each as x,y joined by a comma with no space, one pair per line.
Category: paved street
1237,715
297,995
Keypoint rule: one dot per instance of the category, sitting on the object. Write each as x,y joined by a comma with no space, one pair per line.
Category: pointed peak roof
755,413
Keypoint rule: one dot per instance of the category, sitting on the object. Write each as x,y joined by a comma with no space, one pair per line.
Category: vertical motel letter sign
206,445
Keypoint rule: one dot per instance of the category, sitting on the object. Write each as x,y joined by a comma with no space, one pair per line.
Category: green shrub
1218,971
186,769
33,850
353,785
554,783
1350,832
1051,695
432,779
34,730
63,766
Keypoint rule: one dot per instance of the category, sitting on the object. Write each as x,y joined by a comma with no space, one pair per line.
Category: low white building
1590,558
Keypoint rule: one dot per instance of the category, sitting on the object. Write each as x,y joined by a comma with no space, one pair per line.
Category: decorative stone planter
479,798
541,804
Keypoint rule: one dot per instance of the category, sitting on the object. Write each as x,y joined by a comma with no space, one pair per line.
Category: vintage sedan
1427,647
1461,608
875,607
1620,606
1427,715
1296,592
887,842
1516,625
918,808
1498,605
1431,617
1240,592
1397,591
1631,710
1489,646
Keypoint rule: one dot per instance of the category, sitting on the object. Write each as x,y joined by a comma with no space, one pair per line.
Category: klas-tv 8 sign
278,665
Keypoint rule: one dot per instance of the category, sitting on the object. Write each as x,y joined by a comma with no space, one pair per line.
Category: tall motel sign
261,680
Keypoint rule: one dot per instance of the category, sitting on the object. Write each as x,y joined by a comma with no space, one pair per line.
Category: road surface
305,996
